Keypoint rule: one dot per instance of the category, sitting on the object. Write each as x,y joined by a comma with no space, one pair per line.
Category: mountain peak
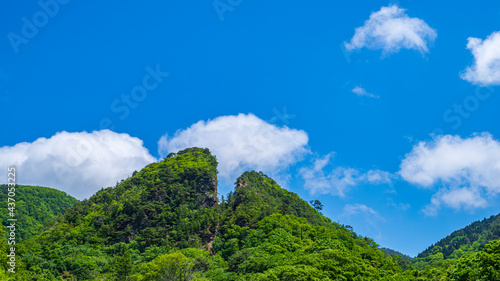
151,204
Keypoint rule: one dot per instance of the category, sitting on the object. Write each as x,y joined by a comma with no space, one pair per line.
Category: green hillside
471,238
35,206
269,233
460,247
166,223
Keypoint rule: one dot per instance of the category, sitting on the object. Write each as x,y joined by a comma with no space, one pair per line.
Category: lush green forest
166,223
463,244
35,207
472,238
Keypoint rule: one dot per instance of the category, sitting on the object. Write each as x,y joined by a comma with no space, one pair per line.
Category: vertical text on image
11,207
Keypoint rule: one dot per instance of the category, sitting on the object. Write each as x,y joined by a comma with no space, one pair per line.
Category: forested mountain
391,252
166,223
471,238
34,207
473,242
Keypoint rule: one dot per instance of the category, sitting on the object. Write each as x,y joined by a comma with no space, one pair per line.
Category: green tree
168,267
316,204
481,266
124,266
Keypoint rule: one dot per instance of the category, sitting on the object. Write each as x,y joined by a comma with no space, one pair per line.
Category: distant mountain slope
448,258
34,207
391,252
469,239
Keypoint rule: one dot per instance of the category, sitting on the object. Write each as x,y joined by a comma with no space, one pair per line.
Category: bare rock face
211,199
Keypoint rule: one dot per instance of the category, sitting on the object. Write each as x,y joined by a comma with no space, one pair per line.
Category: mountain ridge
165,222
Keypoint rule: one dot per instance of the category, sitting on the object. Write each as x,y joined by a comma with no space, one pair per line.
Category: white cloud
77,163
339,179
391,29
400,206
486,68
457,198
356,209
362,92
240,143
371,218
467,168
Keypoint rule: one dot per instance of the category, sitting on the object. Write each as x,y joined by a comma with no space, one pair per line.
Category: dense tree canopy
166,223
35,206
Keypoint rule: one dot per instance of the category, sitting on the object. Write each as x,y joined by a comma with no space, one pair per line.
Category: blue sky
384,111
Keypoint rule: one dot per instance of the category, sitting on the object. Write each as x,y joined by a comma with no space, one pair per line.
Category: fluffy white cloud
339,179
361,92
391,29
77,163
240,143
468,169
486,68
457,198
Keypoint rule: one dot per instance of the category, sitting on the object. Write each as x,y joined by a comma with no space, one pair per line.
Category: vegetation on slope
483,265
469,239
165,223
35,207
444,256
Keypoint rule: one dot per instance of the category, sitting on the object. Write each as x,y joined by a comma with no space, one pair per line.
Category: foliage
445,254
470,239
316,204
35,206
166,223
483,265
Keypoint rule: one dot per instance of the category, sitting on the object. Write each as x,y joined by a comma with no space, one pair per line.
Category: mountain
471,238
391,252
167,205
257,196
165,222
164,204
35,206
453,256
269,233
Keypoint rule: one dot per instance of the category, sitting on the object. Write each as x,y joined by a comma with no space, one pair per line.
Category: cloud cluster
240,143
391,29
77,163
467,168
338,180
361,92
486,68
